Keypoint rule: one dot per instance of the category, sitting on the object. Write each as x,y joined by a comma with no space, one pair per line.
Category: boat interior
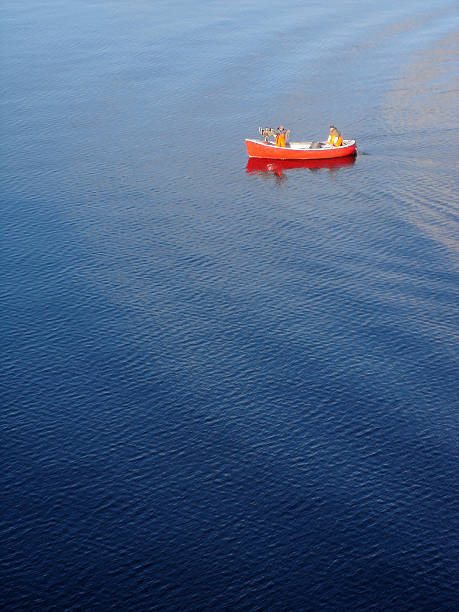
312,145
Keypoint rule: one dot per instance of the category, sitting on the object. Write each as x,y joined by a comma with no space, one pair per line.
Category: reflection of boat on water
258,165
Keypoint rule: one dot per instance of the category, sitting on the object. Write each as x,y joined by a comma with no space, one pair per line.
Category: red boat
299,150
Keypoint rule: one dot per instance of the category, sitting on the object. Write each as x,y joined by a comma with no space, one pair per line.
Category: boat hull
268,150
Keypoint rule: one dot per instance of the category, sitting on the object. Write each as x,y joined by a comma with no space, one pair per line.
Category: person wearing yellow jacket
281,136
335,138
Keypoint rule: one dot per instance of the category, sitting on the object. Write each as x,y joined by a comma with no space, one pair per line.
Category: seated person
335,138
281,136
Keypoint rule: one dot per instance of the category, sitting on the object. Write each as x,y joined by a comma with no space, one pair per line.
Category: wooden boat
299,150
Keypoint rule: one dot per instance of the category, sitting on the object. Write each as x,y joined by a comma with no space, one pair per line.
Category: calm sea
228,386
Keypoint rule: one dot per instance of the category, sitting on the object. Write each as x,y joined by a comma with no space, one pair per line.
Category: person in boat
282,136
335,139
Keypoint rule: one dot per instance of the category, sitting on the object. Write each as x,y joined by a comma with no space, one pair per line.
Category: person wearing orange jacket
335,139
281,136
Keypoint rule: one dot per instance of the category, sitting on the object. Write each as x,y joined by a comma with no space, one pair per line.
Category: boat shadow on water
278,167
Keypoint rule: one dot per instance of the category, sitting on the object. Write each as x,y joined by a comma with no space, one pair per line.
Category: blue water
226,387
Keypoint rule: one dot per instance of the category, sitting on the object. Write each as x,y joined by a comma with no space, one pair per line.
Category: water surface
228,385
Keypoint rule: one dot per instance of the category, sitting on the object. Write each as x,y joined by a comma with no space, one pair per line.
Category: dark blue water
228,387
